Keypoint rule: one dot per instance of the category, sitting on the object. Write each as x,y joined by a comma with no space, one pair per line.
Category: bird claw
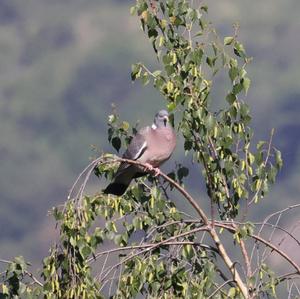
155,170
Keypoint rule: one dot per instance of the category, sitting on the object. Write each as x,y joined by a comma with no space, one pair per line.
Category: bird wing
136,147
135,150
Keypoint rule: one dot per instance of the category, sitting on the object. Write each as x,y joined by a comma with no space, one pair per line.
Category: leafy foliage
155,250
15,282
192,55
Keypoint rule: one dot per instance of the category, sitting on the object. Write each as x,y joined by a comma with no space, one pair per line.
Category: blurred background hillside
62,64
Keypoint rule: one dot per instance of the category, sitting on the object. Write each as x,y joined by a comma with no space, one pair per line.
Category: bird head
161,119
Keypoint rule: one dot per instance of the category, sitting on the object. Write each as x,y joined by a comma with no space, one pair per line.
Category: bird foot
155,170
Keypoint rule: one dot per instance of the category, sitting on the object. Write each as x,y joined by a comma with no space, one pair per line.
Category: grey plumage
151,145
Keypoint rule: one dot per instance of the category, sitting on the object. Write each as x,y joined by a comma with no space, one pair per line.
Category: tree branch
219,288
265,242
151,246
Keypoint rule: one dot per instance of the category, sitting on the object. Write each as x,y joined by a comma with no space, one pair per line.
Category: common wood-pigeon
152,146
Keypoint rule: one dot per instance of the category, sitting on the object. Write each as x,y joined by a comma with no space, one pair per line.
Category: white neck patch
154,127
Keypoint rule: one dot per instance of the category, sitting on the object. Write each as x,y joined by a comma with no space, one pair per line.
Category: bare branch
151,246
267,243
34,278
219,288
264,164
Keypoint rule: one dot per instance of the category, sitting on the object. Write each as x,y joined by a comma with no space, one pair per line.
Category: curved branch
265,242
148,248
219,288
34,278
278,213
151,246
271,225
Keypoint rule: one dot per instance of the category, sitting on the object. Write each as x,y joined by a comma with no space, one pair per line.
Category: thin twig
151,246
264,165
219,288
246,258
148,249
267,243
5,261
266,220
33,278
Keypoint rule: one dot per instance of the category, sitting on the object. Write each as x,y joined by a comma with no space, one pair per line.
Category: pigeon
152,146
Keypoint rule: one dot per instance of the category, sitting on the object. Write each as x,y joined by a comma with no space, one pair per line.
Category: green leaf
182,172
278,158
246,84
210,122
152,33
259,158
118,239
187,251
58,215
228,40
260,145
112,118
188,144
137,223
244,110
171,106
20,263
73,241
272,174
22,288
145,78
237,88
211,61
204,8
265,187
158,83
156,73
125,126
233,73
231,98
232,293
133,10
197,56
85,251
239,50
116,143
5,290
135,71
250,158
166,59
170,86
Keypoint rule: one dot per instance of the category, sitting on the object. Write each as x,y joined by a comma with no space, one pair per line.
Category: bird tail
116,188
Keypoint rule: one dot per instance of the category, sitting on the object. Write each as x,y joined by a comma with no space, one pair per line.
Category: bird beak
166,119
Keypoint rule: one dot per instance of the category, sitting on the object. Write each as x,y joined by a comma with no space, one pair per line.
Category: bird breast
160,145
